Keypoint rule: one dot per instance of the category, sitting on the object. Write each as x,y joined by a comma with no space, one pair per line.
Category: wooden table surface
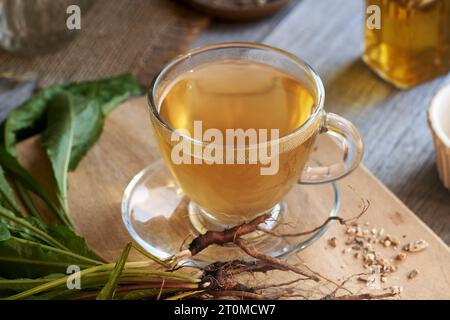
328,34
114,160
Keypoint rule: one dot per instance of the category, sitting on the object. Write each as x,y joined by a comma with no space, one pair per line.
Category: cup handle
352,151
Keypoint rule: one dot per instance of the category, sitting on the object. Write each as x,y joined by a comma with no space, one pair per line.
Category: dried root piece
416,246
220,275
203,241
392,239
219,280
401,256
387,243
412,274
226,236
396,290
365,296
332,242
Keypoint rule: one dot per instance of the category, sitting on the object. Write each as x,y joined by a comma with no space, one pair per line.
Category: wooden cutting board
127,145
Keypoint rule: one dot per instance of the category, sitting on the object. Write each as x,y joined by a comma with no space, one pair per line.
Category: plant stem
123,290
105,267
162,274
26,200
57,282
108,291
151,256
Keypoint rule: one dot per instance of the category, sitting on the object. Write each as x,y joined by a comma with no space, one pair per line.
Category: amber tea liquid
413,43
238,94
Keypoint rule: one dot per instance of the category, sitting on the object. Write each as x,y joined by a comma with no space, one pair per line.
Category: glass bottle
36,26
412,44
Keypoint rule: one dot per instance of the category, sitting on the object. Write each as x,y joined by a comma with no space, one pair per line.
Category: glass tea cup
228,194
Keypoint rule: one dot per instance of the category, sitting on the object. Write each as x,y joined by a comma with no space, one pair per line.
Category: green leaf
88,125
108,92
75,116
57,141
57,236
37,223
100,98
7,198
16,171
71,241
107,293
21,258
29,118
4,232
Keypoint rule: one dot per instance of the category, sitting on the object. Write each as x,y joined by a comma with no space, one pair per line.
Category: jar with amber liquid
412,43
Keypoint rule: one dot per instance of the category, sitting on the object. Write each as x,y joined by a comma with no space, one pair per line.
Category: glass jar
412,44
36,26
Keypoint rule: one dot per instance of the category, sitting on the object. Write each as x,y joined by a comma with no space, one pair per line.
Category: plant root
226,236
274,262
363,296
341,221
218,279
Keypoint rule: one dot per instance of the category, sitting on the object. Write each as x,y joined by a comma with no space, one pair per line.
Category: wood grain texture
328,35
127,145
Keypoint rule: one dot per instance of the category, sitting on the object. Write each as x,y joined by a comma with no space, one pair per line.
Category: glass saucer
161,219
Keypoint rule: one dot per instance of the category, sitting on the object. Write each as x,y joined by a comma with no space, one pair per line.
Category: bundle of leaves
35,255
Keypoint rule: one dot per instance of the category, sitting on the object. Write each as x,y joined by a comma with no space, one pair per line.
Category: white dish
439,122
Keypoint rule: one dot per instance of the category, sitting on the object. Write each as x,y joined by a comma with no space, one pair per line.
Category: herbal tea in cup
236,124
